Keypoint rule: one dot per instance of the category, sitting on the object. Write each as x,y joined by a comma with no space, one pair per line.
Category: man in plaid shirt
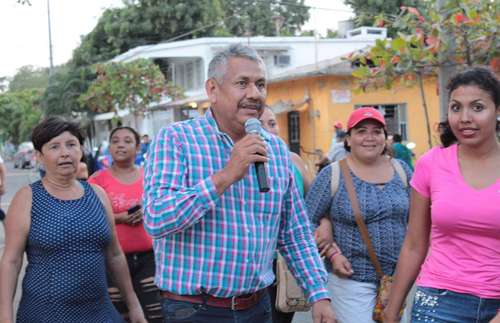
214,233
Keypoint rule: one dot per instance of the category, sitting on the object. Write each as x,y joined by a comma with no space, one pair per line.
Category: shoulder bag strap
400,171
357,215
335,178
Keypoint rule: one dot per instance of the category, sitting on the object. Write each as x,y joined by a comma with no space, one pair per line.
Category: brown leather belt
235,303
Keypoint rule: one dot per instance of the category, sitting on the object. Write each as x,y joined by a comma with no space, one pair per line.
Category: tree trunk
426,110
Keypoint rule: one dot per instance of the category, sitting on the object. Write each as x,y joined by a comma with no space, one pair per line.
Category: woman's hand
324,235
136,315
389,318
341,266
121,218
135,218
126,218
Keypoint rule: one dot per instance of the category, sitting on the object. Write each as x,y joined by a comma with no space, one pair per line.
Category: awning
189,101
282,106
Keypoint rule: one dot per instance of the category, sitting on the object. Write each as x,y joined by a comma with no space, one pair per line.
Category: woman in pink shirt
453,239
123,184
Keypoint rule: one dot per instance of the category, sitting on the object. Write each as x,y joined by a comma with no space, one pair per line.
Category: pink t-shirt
465,235
132,238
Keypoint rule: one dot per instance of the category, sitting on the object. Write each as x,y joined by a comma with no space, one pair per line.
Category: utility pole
446,67
51,67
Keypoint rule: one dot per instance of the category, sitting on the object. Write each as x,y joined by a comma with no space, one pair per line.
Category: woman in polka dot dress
66,228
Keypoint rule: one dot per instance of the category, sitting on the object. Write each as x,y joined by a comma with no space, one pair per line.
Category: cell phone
134,209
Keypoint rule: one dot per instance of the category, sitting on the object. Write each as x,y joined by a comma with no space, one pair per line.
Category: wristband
336,251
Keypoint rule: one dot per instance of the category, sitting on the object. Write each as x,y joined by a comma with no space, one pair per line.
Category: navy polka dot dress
65,279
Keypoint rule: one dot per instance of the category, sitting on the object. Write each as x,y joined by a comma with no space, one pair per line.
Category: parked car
25,155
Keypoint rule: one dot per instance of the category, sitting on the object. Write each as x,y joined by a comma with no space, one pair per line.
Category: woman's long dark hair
480,77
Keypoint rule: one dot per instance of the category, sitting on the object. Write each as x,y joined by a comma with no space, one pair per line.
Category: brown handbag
385,281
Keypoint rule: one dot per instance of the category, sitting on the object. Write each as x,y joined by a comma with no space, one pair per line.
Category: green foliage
420,46
144,22
133,85
255,17
366,11
29,77
20,112
332,33
66,86
308,33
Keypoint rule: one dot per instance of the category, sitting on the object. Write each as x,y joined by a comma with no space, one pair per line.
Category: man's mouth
256,107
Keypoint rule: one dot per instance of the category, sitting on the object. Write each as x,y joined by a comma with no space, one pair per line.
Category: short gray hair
218,65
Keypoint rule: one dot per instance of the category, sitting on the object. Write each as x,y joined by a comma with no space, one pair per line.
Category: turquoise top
299,179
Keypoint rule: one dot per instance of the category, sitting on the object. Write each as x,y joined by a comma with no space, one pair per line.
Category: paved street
16,178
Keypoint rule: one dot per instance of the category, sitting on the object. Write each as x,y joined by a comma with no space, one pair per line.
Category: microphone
253,126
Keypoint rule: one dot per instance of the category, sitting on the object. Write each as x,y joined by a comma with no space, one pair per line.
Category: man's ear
212,88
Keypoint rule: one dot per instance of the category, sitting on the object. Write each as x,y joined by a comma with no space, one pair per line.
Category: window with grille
395,117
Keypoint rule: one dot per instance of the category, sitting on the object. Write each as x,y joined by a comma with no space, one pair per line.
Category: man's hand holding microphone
251,149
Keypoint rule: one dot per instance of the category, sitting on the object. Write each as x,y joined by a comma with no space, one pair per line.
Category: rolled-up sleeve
170,205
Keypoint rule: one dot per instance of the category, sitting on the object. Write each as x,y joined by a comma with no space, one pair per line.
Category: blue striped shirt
223,245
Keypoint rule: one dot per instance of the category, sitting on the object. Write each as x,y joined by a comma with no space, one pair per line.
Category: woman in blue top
382,195
66,228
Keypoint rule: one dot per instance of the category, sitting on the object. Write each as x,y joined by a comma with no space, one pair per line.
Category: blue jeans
442,305
185,312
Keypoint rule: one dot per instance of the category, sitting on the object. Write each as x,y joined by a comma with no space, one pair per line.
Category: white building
185,63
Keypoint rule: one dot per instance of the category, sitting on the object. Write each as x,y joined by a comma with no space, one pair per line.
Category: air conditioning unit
282,60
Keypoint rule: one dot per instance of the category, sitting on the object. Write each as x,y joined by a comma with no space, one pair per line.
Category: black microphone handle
260,170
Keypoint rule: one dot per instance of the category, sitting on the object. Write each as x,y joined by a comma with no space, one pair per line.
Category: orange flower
395,59
459,18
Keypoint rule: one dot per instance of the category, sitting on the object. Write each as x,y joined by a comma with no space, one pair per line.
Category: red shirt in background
132,238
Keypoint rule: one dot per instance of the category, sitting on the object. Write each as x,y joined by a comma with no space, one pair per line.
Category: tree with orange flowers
420,47
134,85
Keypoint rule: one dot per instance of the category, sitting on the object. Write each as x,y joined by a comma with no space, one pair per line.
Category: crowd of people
192,236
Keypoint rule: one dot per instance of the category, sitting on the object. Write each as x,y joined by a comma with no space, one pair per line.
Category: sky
24,29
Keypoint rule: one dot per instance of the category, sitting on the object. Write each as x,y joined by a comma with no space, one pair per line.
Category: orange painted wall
316,122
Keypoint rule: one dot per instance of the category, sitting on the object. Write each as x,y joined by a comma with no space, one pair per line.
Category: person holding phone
123,183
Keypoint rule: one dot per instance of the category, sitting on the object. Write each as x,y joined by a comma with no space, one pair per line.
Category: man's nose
254,92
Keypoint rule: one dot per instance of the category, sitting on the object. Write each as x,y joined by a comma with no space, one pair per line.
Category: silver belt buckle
233,303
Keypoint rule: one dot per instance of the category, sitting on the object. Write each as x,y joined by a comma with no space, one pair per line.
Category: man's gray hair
218,65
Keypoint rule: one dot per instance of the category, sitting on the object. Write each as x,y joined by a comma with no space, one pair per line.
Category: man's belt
235,303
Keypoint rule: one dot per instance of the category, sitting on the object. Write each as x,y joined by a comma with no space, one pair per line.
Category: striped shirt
223,245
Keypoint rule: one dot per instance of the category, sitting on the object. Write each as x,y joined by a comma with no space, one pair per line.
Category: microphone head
253,125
